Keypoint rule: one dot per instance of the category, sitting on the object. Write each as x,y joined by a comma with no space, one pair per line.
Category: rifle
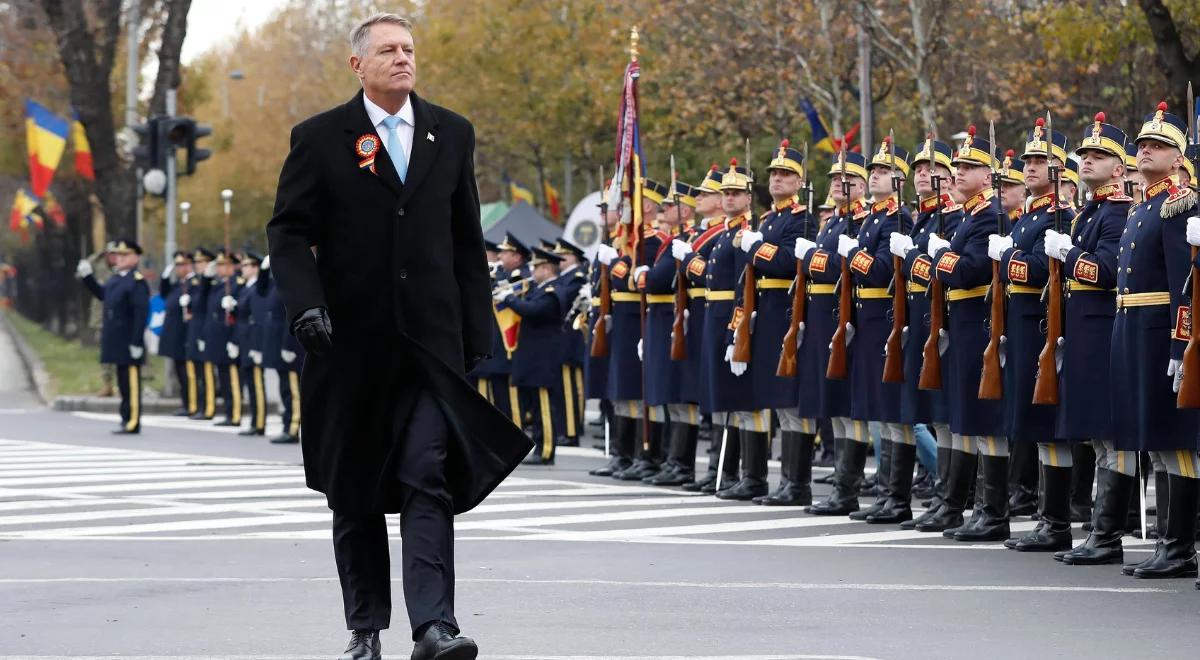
741,334
837,369
227,197
1045,388
1189,388
991,383
893,363
599,346
678,325
931,365
787,353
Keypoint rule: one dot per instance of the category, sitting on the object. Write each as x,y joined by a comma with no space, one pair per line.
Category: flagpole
639,233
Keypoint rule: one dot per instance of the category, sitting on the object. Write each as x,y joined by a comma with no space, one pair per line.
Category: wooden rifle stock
837,368
741,334
1045,388
893,364
1189,389
931,366
991,383
787,354
678,327
600,330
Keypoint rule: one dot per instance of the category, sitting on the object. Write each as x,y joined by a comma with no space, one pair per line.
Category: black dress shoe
252,431
227,422
615,464
641,469
567,442
364,645
441,642
285,439
200,417
181,412
698,485
744,490
793,495
124,431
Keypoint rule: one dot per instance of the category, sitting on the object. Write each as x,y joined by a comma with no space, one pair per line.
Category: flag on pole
519,193
509,323
46,138
820,132
22,216
631,168
83,150
553,205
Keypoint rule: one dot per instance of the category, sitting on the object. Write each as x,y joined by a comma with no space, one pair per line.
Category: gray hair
361,32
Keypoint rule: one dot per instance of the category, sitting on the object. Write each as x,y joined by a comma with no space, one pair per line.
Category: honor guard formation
1014,337
224,325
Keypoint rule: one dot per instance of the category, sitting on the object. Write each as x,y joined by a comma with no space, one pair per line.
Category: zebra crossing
53,491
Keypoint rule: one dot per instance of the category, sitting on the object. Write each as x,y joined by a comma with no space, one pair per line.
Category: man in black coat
378,254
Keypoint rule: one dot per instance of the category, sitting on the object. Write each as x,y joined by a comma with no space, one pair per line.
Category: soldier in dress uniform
513,257
220,349
977,426
1088,253
772,252
126,299
1151,329
574,300
1025,269
596,368
936,215
250,314
281,352
172,343
193,303
537,362
666,379
822,397
692,256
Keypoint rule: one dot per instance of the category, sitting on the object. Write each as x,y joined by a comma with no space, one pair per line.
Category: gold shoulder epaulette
137,275
1177,202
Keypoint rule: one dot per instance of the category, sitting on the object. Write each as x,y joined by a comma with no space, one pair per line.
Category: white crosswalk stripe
65,492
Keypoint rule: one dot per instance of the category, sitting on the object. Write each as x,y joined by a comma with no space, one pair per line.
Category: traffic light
196,154
149,153
182,133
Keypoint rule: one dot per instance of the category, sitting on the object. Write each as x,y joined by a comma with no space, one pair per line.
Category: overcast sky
210,21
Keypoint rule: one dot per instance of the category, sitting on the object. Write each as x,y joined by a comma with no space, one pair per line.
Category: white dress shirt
404,130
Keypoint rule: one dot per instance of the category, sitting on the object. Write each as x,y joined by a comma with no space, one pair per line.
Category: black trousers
229,388
252,376
185,373
129,383
360,540
289,399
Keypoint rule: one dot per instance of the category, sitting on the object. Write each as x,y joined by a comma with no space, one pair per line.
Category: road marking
488,657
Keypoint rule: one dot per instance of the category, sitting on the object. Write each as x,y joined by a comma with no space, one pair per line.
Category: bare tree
1179,67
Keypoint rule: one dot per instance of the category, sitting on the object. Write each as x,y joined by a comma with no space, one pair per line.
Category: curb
35,370
150,405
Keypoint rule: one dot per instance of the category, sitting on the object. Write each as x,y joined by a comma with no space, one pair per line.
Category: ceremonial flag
520,193
552,203
631,162
46,138
83,150
53,210
848,138
510,328
820,133
22,215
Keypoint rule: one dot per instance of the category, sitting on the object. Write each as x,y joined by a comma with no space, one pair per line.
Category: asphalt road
192,542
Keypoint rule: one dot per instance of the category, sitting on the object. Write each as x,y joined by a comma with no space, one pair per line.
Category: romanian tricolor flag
820,133
510,328
46,138
552,203
83,150
22,215
631,162
520,193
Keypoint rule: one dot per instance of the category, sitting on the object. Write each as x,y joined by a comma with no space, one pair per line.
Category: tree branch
174,31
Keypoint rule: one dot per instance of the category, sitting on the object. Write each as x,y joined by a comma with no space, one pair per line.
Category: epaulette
1119,197
1180,200
765,214
579,275
859,215
240,281
137,275
948,204
798,208
549,288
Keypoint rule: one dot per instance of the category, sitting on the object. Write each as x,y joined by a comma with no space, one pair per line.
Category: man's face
923,175
389,66
491,256
1097,168
126,261
568,260
510,259
225,269
650,207
183,270
783,184
971,178
1012,196
880,182
1156,160
857,188
111,258
735,202
201,264
544,272
708,204
1037,174
670,214
249,272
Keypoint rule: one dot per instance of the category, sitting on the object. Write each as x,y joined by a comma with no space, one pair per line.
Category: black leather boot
1083,474
682,460
1162,488
648,461
898,507
1054,532
364,645
799,487
1177,557
713,450
882,478
1103,544
785,465
733,451
939,490
949,516
1023,479
754,469
993,519
848,474
621,440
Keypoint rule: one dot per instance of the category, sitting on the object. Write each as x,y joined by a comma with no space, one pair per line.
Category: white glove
1003,350
83,268
501,295
799,334
686,314
1175,371
943,341
210,271
266,263
729,353
586,290
845,244
936,243
749,238
185,300
1193,230
637,273
803,247
256,357
168,271
640,358
1058,245
849,335
288,356
900,244
136,352
997,244
1058,354
903,337
228,303
200,345
606,254
680,249
737,368
231,349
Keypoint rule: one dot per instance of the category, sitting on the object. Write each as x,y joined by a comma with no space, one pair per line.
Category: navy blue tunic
723,271
197,292
126,299
537,362
624,367
664,376
172,343
695,384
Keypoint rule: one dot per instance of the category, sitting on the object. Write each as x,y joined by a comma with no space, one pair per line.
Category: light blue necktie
394,148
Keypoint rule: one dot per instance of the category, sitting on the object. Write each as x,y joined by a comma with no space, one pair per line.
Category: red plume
733,162
1162,106
1100,117
785,144
1010,153
1040,122
971,130
714,167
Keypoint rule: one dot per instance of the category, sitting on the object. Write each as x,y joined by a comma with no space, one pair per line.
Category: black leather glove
314,331
474,360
